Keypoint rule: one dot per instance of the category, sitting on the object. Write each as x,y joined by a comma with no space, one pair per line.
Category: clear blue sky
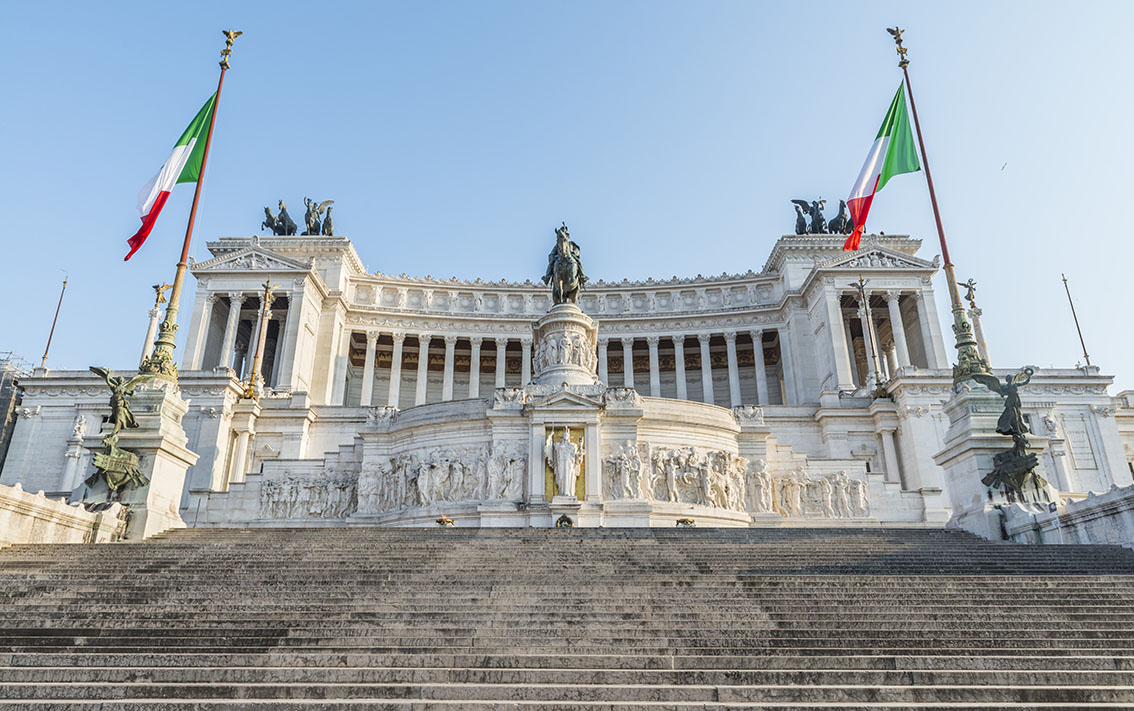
670,136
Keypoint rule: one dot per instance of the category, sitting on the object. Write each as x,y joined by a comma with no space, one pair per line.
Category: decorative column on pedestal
155,313
151,332
255,386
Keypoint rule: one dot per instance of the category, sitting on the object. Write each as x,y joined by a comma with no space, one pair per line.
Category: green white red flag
182,166
892,153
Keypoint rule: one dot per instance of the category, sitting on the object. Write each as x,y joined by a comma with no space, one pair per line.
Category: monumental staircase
548,620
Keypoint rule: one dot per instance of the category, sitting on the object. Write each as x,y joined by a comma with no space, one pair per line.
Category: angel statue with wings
314,214
1011,421
120,389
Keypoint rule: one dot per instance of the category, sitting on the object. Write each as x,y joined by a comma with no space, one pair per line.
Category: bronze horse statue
564,269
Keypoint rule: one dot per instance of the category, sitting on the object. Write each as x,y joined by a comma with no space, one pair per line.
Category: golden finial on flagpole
896,33
229,37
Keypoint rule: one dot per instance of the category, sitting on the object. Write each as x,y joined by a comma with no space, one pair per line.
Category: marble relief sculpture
798,494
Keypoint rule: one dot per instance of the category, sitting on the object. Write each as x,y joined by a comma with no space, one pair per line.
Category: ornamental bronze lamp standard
868,337
969,359
255,383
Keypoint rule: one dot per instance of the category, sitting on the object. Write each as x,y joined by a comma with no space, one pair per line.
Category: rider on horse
564,268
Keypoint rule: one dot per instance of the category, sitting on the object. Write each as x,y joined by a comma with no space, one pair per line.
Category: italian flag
182,166
892,153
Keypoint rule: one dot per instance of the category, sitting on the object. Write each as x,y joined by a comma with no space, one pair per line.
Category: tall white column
603,370
978,331
890,454
422,367
891,359
276,349
342,357
679,365
195,347
931,330
706,369
228,344
291,339
368,369
761,368
655,369
239,457
474,368
628,362
447,377
791,397
151,333
898,328
868,346
396,371
501,361
733,370
851,354
526,363
840,348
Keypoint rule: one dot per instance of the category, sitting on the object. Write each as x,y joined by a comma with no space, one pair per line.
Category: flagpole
43,363
1076,317
969,360
161,361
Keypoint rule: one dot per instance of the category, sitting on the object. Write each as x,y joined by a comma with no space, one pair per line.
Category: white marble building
734,400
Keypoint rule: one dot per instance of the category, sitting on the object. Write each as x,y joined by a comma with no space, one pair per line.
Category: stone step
632,693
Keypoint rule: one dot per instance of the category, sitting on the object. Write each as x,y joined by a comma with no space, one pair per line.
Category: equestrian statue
564,269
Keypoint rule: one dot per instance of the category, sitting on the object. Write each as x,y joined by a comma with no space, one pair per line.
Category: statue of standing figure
564,269
564,457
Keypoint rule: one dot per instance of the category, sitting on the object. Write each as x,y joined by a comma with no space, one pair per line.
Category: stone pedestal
159,441
566,347
971,443
565,506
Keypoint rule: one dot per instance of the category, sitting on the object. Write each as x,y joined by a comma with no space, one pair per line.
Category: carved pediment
253,259
564,399
877,258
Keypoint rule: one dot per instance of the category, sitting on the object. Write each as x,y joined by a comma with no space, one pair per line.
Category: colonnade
883,337
425,340
682,345
235,353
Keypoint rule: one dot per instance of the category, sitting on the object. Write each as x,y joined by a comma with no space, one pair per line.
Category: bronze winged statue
814,210
313,215
120,388
1011,421
1013,469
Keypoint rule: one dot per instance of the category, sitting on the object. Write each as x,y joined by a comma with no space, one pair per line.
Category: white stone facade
734,400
